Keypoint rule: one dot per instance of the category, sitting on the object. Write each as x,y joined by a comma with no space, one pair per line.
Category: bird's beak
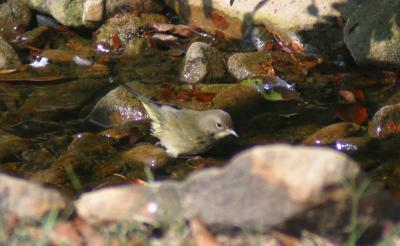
232,132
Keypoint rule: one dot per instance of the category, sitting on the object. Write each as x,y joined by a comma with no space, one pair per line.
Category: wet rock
38,157
248,65
257,38
136,46
140,203
108,169
54,176
385,122
374,40
67,12
55,102
93,12
143,6
63,56
91,144
11,145
8,57
11,97
129,135
202,62
122,28
27,199
146,154
288,187
331,133
15,16
119,106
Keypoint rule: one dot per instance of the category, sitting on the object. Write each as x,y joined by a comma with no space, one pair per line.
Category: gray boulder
372,33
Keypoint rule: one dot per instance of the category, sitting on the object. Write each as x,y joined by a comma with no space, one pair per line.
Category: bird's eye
218,125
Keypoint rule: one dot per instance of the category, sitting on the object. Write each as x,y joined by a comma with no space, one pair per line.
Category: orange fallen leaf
184,96
269,69
352,113
168,92
175,53
268,46
149,38
297,46
219,21
116,42
358,94
163,27
204,96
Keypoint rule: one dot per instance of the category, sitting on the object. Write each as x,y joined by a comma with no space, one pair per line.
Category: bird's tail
136,93
152,108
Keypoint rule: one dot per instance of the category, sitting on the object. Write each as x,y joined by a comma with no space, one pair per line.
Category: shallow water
47,137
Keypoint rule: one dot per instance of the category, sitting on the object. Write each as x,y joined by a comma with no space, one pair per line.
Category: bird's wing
189,127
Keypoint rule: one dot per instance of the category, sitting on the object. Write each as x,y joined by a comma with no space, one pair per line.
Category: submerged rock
202,62
248,65
11,145
376,39
15,16
146,155
57,101
385,122
331,133
8,57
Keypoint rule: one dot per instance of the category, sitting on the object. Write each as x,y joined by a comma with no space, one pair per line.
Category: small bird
185,131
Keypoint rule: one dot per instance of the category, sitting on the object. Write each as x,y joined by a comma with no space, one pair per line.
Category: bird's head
217,123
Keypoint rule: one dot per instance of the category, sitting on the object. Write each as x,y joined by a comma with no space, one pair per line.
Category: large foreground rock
276,187
27,199
372,33
264,186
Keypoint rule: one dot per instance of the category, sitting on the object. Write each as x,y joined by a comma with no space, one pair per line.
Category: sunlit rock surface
374,40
